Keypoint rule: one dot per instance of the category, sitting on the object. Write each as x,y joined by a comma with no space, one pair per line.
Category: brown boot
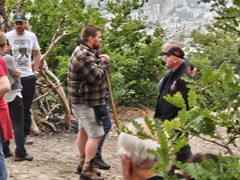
80,166
79,170
89,172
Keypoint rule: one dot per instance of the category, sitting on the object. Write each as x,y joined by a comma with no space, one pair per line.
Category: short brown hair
3,39
88,31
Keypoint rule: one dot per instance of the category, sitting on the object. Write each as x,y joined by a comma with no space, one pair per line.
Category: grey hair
136,150
174,43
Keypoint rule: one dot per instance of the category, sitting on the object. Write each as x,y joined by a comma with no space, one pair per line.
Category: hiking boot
79,170
100,164
89,172
89,175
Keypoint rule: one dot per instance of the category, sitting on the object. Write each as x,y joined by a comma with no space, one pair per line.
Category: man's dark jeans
107,125
16,114
28,84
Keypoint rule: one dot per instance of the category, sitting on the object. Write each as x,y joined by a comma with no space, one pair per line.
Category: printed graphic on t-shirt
21,52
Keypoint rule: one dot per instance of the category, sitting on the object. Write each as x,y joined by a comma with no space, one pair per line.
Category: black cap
175,51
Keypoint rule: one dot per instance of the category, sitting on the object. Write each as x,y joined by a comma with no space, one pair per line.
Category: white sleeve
35,42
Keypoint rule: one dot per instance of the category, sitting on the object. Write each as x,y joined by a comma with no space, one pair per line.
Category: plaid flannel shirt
87,81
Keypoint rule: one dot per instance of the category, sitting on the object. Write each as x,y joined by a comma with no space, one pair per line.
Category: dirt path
56,156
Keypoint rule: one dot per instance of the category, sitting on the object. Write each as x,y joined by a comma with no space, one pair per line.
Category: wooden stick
112,103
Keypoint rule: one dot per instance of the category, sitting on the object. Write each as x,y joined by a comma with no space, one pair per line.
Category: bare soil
56,154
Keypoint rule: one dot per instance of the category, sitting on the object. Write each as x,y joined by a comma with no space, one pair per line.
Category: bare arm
4,85
36,59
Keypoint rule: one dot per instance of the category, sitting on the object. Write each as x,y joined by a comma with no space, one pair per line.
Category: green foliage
133,53
224,84
177,100
134,63
201,119
168,139
135,71
48,16
61,70
215,48
226,168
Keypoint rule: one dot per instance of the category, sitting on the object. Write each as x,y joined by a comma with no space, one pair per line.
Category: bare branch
47,93
51,125
54,107
214,142
55,39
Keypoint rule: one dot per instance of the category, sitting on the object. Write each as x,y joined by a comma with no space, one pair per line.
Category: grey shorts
87,120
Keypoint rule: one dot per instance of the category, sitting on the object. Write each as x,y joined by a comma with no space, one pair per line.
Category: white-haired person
172,84
191,69
136,161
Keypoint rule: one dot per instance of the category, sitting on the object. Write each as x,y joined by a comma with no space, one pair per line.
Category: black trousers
17,118
28,91
184,154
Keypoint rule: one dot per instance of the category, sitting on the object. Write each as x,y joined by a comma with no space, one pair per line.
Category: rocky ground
56,154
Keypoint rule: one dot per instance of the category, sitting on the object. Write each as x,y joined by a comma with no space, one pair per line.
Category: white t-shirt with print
21,47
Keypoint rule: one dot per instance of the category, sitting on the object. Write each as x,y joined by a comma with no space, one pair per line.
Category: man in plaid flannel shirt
87,89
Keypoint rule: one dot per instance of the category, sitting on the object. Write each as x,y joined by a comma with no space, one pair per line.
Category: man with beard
23,45
87,91
107,124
